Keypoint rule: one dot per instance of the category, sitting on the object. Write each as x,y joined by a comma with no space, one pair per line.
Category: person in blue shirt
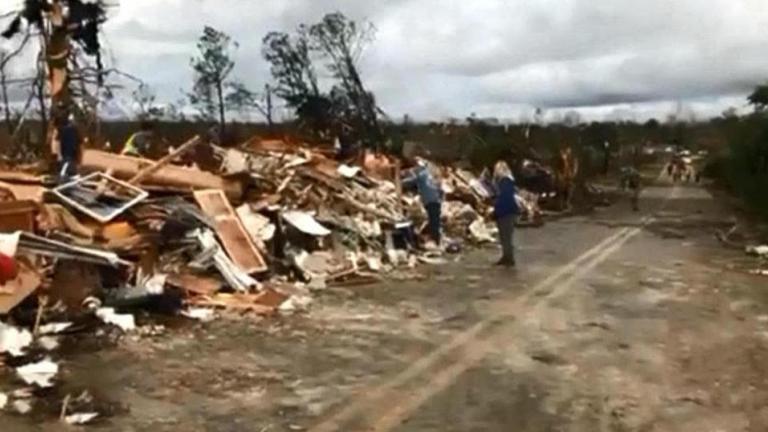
68,139
431,196
505,210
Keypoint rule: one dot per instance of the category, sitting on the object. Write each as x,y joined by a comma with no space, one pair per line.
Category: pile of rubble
275,222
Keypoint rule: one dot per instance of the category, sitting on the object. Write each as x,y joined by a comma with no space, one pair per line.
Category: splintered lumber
148,171
172,176
230,230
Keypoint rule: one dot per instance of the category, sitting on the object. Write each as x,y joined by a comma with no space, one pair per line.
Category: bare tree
338,43
145,101
5,59
214,92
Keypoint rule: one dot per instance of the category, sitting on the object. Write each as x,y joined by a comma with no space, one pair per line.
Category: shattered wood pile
276,222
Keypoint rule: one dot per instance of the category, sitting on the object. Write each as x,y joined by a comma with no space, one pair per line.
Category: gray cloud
436,58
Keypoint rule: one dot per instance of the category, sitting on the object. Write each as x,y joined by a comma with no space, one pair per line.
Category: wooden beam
148,171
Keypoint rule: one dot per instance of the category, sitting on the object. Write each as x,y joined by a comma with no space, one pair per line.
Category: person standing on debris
139,143
67,138
431,195
505,211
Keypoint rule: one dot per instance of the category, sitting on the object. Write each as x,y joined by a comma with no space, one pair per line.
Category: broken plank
127,167
195,284
148,171
15,291
231,231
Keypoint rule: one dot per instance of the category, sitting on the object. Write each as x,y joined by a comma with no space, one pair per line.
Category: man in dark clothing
69,148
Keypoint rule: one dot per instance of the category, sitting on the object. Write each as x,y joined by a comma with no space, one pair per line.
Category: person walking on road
431,195
630,180
505,211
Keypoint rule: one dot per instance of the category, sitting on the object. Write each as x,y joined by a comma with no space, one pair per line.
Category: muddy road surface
615,321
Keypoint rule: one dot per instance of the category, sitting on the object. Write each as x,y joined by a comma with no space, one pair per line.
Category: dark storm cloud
435,58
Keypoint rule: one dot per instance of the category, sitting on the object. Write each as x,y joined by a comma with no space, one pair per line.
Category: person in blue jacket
68,150
431,195
505,211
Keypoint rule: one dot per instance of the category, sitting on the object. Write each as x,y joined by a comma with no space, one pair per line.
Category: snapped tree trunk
268,90
222,119
6,105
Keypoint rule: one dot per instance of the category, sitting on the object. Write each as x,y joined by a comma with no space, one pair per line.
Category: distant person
346,145
424,179
68,153
630,179
505,211
214,135
139,143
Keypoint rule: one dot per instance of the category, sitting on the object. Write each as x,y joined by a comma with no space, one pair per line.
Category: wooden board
195,284
15,291
230,230
126,167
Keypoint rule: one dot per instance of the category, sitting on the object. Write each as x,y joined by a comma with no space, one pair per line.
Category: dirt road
617,321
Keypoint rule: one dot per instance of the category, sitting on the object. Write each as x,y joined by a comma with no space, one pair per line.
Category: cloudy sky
438,58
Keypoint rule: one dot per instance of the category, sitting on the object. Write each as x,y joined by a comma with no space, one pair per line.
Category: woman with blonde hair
505,210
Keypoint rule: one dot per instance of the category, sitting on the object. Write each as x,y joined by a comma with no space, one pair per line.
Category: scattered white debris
126,322
305,223
14,340
259,227
200,314
80,418
54,328
3,400
9,243
155,284
48,343
480,231
759,272
348,171
40,373
317,283
23,393
761,251
22,406
374,263
295,303
91,303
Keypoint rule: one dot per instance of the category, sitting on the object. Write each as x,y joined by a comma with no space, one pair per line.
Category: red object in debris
8,269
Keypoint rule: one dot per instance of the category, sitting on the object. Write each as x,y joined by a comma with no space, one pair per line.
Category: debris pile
276,222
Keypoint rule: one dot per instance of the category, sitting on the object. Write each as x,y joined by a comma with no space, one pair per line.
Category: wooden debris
17,216
264,303
230,230
127,167
15,291
147,172
194,284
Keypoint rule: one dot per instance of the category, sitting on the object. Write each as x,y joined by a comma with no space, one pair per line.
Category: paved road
616,321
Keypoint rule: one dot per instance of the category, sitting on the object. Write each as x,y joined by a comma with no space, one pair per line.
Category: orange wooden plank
230,230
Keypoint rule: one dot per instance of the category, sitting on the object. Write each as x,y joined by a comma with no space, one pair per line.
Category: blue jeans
433,217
